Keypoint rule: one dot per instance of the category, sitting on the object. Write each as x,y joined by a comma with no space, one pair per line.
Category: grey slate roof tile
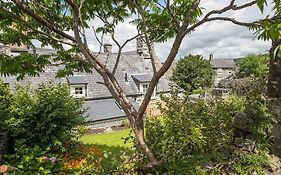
222,63
142,77
76,80
104,109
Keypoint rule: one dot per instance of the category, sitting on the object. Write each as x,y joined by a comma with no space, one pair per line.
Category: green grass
108,139
113,147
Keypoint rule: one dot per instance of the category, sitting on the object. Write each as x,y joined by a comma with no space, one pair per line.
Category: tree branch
173,52
41,20
120,47
231,6
146,39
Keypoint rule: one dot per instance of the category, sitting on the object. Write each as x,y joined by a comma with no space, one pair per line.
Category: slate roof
142,77
222,63
131,63
76,80
99,100
105,109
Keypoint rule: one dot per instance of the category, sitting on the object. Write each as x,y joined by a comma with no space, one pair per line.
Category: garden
43,128
46,135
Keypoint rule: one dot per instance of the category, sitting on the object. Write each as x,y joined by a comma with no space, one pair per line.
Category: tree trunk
274,98
141,144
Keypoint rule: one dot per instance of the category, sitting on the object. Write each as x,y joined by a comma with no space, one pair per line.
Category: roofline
92,121
109,97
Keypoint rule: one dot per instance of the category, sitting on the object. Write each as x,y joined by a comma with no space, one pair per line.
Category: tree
270,29
252,65
193,72
59,23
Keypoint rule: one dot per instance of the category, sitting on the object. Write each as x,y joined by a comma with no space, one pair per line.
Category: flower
45,158
53,160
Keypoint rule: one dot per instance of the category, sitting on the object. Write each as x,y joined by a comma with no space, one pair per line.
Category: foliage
269,28
252,65
5,102
58,23
44,116
77,158
199,137
34,160
192,72
82,159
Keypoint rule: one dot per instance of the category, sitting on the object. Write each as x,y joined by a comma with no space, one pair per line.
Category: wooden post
5,169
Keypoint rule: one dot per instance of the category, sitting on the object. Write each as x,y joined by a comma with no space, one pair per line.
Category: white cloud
223,39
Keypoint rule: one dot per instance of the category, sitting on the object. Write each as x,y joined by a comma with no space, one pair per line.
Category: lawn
113,147
108,139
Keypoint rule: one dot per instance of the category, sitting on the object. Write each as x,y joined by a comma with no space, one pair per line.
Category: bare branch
108,77
231,6
100,41
146,39
120,47
231,20
173,52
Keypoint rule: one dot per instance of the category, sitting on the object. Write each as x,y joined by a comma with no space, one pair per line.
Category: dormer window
78,86
78,90
144,87
142,81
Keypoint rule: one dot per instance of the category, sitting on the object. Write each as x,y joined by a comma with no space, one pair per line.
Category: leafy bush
5,102
193,72
199,137
34,160
44,116
78,158
253,65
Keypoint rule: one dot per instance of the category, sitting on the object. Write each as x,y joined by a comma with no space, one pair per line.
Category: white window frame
78,91
142,89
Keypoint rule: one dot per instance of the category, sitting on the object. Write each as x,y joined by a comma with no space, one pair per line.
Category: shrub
5,102
199,137
44,116
34,160
193,72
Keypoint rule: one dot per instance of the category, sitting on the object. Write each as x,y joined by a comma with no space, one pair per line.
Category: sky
222,39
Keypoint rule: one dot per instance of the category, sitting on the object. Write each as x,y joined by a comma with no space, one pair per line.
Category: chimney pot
211,56
107,47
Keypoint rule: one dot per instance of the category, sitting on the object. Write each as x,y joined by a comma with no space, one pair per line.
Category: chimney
211,56
107,47
142,48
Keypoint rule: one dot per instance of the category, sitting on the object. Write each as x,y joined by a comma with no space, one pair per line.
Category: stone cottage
223,68
134,74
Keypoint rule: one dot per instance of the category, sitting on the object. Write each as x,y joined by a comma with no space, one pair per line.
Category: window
144,88
78,90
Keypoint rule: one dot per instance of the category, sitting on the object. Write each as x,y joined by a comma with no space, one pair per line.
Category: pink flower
45,158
